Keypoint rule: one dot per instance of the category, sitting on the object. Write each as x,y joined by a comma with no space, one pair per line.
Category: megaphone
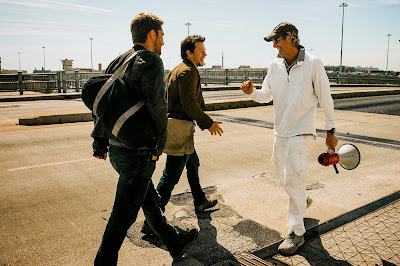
348,156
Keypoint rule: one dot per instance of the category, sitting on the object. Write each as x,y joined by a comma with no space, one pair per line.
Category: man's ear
151,35
188,53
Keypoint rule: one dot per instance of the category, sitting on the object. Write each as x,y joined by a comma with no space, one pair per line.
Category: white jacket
297,95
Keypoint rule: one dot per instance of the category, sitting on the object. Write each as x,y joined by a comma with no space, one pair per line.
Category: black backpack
120,107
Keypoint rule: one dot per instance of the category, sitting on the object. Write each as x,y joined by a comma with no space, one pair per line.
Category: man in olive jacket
185,102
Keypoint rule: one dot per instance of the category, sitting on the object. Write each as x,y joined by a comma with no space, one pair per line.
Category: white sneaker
291,243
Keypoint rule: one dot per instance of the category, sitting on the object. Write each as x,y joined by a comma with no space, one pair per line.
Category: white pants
291,160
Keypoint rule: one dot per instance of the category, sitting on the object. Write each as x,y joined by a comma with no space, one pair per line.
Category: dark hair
295,38
189,44
142,24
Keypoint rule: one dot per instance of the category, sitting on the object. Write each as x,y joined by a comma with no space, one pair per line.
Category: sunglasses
276,40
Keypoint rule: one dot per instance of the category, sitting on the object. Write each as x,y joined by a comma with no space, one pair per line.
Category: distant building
216,67
244,67
13,71
67,65
367,70
87,70
42,71
336,68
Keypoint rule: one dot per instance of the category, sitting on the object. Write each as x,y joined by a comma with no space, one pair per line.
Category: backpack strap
121,120
120,71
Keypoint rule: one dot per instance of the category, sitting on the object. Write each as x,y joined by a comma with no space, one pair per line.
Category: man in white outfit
297,82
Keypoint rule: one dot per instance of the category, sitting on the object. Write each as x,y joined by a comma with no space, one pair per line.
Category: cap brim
270,37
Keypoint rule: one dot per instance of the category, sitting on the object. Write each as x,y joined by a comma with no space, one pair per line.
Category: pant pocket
297,164
127,171
298,153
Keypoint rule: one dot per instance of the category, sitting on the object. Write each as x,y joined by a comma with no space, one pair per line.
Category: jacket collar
300,56
138,47
188,62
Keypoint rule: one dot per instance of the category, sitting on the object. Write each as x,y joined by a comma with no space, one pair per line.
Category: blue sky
233,27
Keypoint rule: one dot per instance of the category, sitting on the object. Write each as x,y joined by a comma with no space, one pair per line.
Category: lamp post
91,51
387,54
44,59
188,25
343,5
19,61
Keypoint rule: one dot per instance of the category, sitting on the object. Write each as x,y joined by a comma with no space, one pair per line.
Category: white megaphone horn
348,156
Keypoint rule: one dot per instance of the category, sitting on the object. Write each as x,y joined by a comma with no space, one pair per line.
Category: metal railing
59,81
226,76
63,81
362,78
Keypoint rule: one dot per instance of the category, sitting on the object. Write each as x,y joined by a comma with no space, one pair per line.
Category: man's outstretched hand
215,128
247,86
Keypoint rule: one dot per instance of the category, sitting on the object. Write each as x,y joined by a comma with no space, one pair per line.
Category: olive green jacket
184,95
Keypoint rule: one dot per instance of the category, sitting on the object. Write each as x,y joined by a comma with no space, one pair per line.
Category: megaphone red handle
328,158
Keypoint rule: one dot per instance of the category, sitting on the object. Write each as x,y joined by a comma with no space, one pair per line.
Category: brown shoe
206,205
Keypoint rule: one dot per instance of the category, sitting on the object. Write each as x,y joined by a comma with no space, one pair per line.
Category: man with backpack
135,165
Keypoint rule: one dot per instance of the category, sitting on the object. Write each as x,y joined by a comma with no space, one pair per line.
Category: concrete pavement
55,199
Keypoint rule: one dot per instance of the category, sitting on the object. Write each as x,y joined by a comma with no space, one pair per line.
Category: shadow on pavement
223,232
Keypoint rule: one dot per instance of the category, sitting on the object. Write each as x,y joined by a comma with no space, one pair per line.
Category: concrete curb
65,96
56,119
355,94
212,106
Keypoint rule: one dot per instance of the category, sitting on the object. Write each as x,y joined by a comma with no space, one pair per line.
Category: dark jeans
172,173
135,190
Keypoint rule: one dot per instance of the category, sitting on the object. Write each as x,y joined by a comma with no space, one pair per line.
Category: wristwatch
332,130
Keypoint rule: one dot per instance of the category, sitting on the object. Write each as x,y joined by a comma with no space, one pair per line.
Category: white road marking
50,164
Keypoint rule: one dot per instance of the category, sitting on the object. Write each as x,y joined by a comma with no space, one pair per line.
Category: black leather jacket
146,71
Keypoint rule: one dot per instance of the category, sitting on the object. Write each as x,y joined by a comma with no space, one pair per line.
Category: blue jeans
135,190
172,173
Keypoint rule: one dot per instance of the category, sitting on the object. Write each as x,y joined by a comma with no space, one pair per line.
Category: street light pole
188,25
343,5
91,51
387,54
44,59
19,61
